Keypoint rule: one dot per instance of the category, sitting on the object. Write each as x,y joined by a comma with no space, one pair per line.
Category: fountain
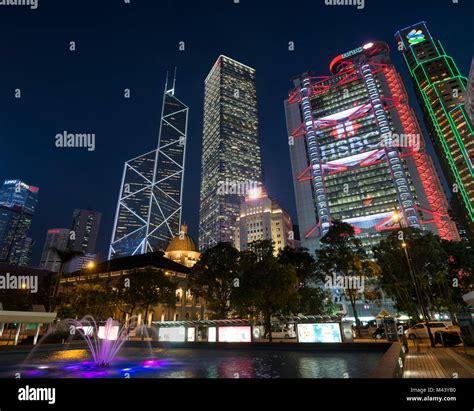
104,342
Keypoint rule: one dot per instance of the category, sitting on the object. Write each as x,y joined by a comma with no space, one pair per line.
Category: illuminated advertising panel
111,335
235,334
191,334
172,334
317,333
212,334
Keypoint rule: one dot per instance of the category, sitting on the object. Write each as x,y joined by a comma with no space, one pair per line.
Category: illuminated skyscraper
358,153
83,237
231,162
150,202
17,206
441,92
262,218
56,238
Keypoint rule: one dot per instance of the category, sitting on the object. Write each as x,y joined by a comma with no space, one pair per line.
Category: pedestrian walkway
427,362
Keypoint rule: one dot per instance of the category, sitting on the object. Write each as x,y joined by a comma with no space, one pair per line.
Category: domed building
182,249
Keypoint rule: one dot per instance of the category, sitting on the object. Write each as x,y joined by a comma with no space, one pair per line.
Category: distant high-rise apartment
17,206
231,161
150,202
56,238
441,92
358,153
262,218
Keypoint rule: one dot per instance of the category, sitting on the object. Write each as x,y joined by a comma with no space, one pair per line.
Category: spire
167,89
174,79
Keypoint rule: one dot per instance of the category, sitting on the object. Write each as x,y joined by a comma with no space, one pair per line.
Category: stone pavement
422,361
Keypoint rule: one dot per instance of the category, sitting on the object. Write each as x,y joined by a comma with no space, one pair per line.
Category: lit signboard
111,335
317,333
212,334
172,334
191,334
415,36
235,334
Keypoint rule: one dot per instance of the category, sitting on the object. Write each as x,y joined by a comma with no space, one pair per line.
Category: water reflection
195,363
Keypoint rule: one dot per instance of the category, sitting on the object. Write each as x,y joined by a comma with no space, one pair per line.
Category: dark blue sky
131,46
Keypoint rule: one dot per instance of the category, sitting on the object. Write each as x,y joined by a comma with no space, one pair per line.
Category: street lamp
396,217
90,265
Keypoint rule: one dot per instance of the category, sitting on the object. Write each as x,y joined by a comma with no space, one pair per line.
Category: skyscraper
84,231
231,161
441,92
17,206
56,238
83,238
262,218
150,202
358,153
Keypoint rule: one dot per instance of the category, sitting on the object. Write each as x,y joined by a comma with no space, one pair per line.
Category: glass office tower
441,92
231,160
358,153
150,203
17,206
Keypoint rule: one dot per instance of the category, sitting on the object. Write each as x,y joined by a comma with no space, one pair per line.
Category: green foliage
442,268
266,286
342,254
83,299
145,290
213,278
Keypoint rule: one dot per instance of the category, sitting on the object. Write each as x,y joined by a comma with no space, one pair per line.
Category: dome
182,242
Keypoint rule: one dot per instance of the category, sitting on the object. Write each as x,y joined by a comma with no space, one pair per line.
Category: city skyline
274,150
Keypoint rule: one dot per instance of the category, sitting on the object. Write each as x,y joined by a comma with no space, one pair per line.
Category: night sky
132,46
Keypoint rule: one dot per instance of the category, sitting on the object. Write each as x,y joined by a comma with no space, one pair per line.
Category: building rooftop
155,259
182,242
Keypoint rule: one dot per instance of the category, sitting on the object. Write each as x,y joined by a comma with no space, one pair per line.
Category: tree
85,299
266,286
154,288
442,268
64,257
311,294
144,290
214,277
342,256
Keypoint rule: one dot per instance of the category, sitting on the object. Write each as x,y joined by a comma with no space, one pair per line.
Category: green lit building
441,91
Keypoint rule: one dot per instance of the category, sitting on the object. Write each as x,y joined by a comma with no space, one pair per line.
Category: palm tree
64,257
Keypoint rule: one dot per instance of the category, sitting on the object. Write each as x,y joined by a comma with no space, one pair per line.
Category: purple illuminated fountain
105,341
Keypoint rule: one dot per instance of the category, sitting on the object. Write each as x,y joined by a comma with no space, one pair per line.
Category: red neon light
303,175
310,232
300,131
431,185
